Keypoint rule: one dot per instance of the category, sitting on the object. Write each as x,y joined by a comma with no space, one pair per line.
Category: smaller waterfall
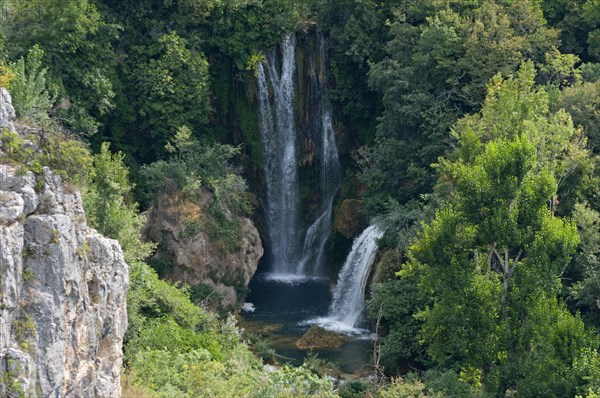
349,295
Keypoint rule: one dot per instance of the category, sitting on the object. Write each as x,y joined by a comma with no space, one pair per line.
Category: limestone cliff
218,269
63,290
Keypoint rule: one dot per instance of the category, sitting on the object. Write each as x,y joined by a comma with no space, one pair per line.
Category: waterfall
349,295
296,247
279,139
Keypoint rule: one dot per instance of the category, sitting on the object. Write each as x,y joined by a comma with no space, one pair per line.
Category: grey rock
11,207
63,289
7,112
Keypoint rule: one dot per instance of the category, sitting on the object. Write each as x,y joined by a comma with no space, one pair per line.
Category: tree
110,208
30,89
582,101
434,72
193,165
171,87
587,263
77,43
492,257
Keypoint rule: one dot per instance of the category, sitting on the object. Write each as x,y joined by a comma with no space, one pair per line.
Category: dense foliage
469,131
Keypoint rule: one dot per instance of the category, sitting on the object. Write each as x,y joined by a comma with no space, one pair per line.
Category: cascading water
349,295
279,139
329,169
295,252
302,174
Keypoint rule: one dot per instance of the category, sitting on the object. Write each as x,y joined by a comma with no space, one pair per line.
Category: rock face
221,269
7,112
63,287
350,218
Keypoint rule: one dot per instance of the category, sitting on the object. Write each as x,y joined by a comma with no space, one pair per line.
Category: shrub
31,93
6,76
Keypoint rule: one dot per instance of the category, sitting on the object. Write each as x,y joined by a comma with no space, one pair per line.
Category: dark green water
289,305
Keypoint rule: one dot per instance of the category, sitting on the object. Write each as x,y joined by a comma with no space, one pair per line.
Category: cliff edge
63,288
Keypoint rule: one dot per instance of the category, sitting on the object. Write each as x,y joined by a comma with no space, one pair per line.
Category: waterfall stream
302,174
296,247
349,294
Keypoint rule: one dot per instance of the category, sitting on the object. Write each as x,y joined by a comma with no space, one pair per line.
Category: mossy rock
260,328
386,267
350,219
317,338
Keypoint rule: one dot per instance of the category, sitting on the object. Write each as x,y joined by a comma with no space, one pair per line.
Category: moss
247,115
28,276
191,228
40,184
24,330
319,338
235,109
83,250
203,294
55,238
386,267
223,231
9,380
222,89
31,250
300,103
338,248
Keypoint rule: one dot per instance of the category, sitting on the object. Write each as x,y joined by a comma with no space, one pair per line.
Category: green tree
435,71
77,43
492,257
587,263
110,208
30,89
193,165
582,101
172,87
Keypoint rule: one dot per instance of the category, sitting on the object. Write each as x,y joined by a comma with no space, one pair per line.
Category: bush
6,76
65,156
193,165
31,93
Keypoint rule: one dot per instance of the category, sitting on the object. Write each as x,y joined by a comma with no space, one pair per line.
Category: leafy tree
77,43
6,76
587,263
31,92
435,72
172,89
240,29
492,257
582,102
193,166
356,32
109,205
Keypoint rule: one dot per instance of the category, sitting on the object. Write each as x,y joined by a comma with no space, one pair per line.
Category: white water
313,248
349,294
278,132
296,253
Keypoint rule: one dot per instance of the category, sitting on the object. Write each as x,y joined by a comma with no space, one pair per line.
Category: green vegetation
471,127
172,346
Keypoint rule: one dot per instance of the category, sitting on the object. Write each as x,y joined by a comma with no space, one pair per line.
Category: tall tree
492,257
77,43
435,72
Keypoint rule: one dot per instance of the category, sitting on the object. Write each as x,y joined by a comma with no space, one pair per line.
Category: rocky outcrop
218,268
350,219
7,112
63,289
